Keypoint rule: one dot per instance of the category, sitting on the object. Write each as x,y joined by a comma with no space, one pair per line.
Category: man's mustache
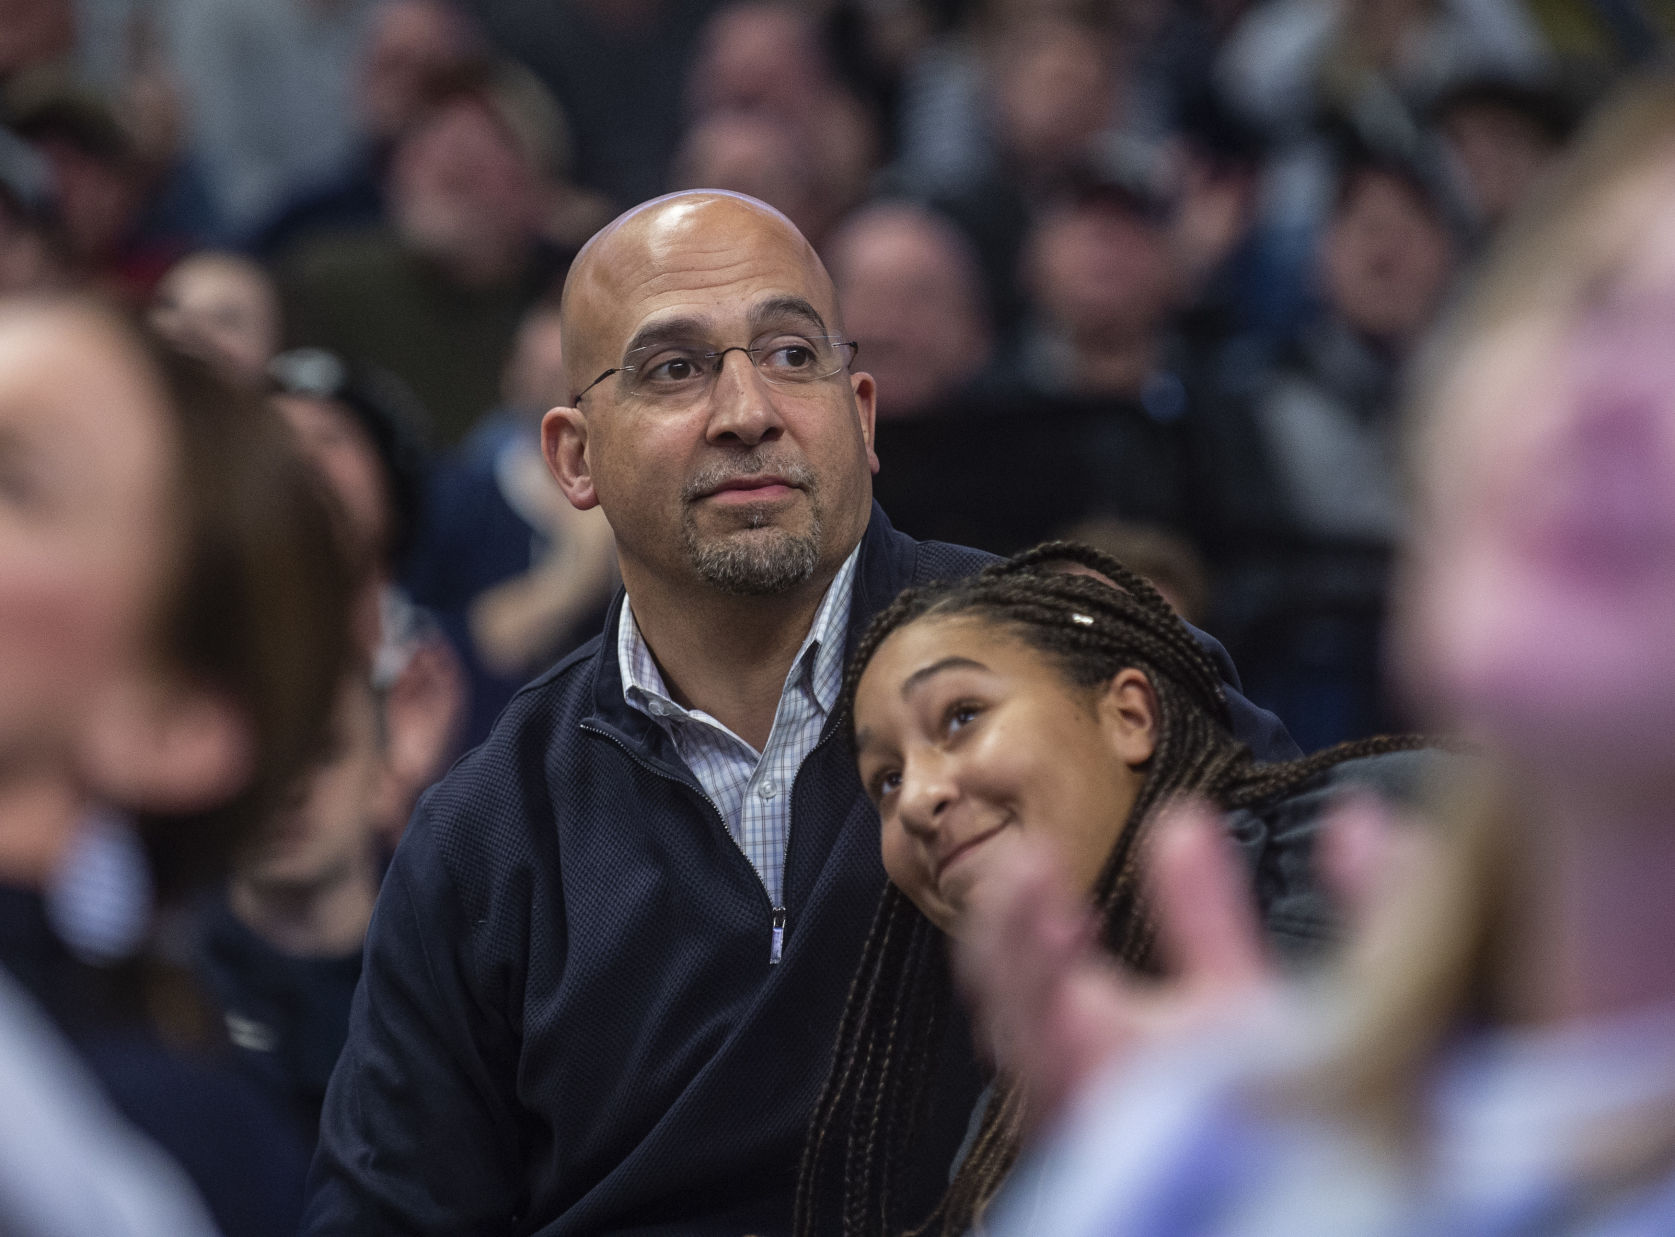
748,467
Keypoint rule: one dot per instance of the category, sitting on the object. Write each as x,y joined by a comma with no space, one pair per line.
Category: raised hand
1053,1010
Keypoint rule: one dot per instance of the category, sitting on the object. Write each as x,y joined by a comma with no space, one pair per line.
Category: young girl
1054,697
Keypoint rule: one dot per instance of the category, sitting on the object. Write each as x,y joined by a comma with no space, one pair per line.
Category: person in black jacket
603,980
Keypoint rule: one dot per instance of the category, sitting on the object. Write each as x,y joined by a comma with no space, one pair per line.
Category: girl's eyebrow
915,680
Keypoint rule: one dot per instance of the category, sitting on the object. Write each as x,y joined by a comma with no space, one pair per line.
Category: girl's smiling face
968,738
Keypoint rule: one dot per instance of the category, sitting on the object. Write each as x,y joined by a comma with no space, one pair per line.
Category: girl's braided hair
875,1096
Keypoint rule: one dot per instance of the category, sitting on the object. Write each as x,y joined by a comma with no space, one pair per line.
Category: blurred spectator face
1500,154
1544,594
348,458
327,834
534,377
463,191
1387,258
87,493
769,112
754,155
411,44
762,58
223,308
1054,92
911,295
35,32
1100,269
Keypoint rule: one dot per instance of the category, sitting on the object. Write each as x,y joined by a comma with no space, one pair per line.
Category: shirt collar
817,667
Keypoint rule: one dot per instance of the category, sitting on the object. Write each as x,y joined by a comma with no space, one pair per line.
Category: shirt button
768,789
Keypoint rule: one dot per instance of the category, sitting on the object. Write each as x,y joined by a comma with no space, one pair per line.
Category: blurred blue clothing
286,1016
69,1165
1214,1137
239,1150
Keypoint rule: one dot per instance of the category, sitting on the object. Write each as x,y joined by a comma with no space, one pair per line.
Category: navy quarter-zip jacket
568,1022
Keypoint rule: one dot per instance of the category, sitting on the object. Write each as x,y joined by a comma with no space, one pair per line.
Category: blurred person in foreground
610,955
173,613
1499,1055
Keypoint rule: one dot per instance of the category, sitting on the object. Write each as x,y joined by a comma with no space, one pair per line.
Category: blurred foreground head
173,602
1543,574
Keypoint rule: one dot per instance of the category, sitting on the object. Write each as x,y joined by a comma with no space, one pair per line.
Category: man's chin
757,560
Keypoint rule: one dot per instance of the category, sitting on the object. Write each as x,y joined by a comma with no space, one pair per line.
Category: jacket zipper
776,914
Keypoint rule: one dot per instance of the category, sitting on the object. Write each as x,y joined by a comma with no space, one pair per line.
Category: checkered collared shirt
751,789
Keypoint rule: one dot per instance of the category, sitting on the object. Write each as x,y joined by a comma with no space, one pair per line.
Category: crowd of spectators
1163,265
1151,274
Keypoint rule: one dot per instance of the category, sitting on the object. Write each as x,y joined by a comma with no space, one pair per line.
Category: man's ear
866,408
154,745
1128,713
564,443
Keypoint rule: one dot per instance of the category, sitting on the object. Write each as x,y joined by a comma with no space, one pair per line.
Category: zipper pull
778,946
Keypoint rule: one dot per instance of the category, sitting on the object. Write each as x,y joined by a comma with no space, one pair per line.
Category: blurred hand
1053,1010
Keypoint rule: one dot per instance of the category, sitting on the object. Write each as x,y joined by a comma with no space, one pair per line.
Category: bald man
604,977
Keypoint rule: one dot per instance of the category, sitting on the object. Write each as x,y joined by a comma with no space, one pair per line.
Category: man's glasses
676,372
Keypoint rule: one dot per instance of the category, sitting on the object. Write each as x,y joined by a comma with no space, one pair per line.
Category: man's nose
928,789
742,407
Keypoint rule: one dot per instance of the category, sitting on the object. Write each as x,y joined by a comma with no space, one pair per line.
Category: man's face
748,487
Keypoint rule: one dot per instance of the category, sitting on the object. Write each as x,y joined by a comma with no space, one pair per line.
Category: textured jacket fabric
568,1022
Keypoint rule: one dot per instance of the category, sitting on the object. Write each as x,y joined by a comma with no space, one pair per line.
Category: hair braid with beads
875,1094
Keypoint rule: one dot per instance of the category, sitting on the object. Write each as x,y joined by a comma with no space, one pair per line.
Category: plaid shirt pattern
751,789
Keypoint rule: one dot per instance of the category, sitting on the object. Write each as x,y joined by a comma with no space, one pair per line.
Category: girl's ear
1128,713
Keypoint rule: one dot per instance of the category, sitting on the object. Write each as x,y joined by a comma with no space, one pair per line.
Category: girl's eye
884,784
960,716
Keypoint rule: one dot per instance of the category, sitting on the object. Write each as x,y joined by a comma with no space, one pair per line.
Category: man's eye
885,784
789,356
673,369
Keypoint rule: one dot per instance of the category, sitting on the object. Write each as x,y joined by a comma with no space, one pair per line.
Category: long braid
1094,617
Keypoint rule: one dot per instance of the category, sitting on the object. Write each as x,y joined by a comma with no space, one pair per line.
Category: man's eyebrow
777,309
919,676
666,329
